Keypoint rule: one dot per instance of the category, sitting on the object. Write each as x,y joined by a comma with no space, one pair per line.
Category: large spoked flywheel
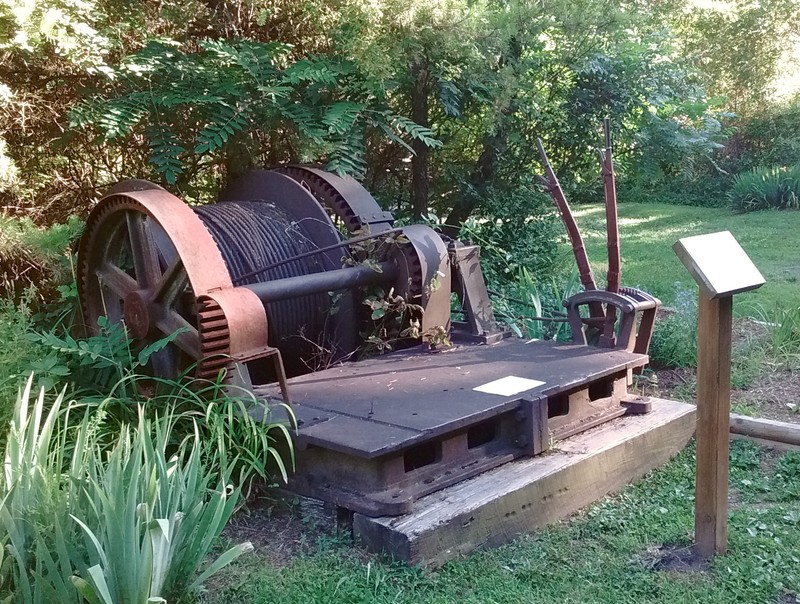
144,259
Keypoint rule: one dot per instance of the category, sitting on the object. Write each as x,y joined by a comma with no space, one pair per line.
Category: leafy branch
193,105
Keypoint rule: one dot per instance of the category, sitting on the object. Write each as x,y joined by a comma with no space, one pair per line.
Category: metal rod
578,248
320,250
612,222
557,193
315,283
612,234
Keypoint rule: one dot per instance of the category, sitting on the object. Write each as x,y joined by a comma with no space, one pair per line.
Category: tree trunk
485,171
420,159
495,144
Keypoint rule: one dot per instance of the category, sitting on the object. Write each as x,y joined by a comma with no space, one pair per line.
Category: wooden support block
766,429
497,506
713,424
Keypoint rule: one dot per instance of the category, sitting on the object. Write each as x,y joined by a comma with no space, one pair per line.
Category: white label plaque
719,264
508,386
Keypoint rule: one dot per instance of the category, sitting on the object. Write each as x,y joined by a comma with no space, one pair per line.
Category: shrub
517,228
766,187
31,256
675,337
783,333
769,137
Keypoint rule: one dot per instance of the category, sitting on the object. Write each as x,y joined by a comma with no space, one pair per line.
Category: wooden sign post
721,268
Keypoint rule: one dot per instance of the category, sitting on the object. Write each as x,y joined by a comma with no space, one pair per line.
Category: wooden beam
495,507
766,429
769,444
713,424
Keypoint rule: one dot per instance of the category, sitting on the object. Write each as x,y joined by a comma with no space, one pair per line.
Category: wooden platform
394,401
497,506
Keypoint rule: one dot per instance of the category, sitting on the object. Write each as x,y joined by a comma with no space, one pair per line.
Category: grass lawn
609,554
648,231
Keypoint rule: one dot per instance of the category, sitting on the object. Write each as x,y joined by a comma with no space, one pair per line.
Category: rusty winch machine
267,287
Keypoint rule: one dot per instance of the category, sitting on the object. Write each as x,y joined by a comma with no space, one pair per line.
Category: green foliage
151,515
739,47
393,319
765,188
99,361
767,138
674,341
39,559
144,511
18,354
783,333
243,95
31,256
223,414
522,231
526,304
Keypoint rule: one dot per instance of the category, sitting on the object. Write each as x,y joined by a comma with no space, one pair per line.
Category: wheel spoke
145,255
117,280
164,363
188,341
172,283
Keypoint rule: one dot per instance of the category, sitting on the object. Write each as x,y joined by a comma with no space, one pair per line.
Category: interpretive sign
718,264
721,268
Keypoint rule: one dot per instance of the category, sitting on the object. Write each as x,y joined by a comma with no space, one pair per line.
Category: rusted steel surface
394,422
423,275
607,339
550,181
637,314
612,221
479,323
143,259
233,331
325,281
344,197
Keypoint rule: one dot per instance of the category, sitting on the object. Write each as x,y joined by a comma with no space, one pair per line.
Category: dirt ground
774,393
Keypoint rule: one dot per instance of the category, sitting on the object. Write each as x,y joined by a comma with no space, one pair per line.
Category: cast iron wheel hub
137,314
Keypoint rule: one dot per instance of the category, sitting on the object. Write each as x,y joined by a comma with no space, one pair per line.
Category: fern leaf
227,122
165,151
340,117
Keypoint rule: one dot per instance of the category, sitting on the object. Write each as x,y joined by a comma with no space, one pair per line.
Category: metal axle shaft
315,283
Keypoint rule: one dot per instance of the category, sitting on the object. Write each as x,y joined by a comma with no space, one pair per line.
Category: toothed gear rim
344,197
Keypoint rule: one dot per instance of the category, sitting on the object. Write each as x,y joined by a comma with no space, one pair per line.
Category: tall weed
533,309
783,334
674,341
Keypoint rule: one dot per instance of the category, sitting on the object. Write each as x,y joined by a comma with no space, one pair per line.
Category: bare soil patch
774,394
672,557
284,528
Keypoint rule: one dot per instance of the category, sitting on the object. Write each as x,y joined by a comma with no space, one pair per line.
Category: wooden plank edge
498,506
766,429
769,444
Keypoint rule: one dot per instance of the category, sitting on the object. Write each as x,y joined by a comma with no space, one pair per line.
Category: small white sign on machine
508,386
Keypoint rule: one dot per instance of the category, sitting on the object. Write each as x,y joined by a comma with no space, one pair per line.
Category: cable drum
256,233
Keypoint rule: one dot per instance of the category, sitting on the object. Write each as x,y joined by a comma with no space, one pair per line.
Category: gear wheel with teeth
144,259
